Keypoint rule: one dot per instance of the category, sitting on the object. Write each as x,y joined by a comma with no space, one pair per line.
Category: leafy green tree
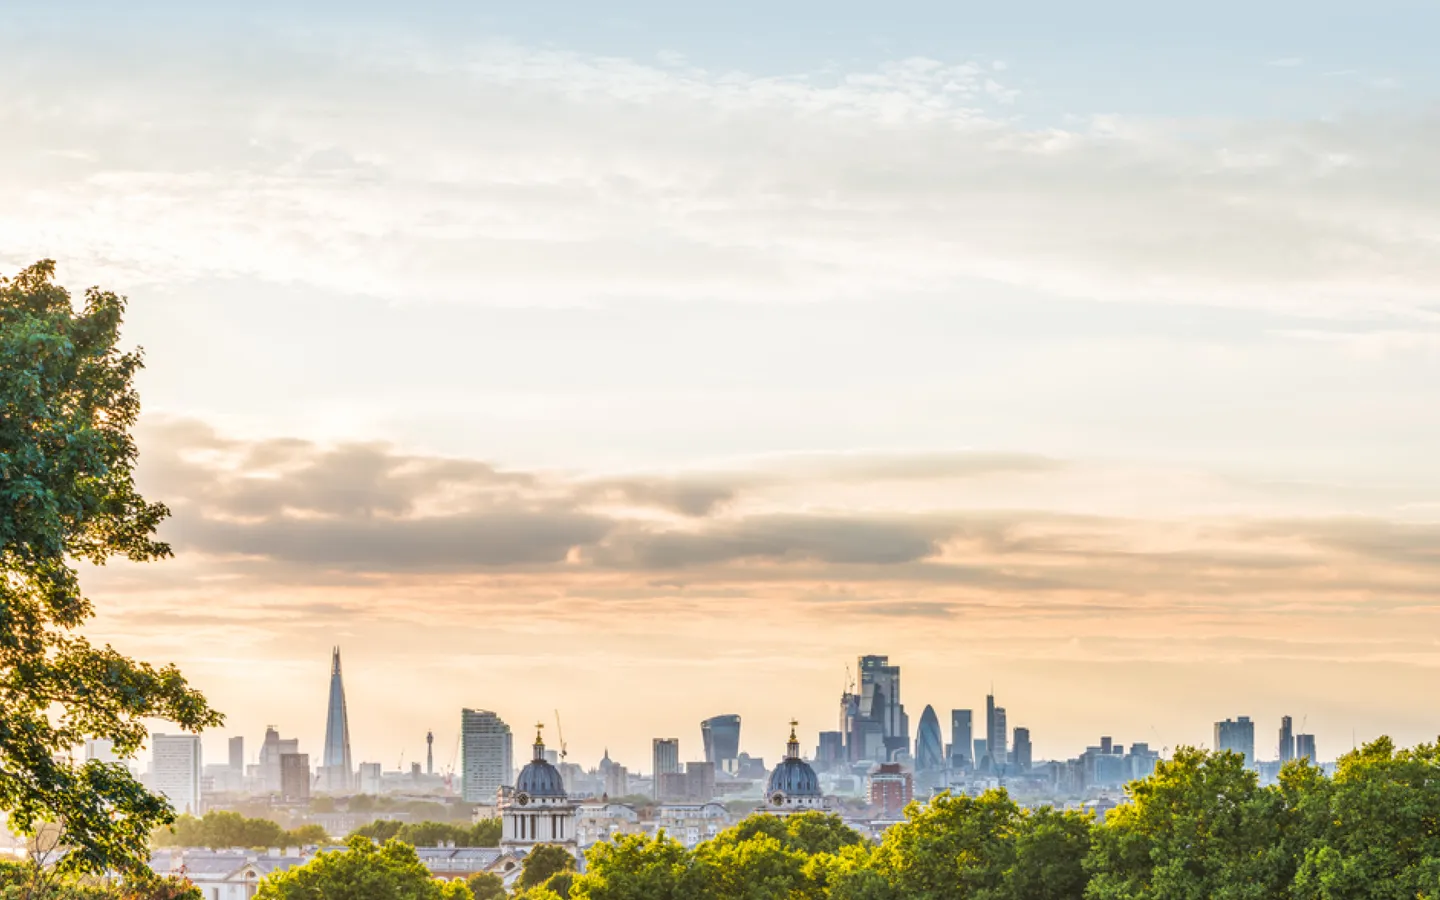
67,405
758,867
1380,838
304,835
485,833
1200,827
808,833
485,886
362,871
636,867
541,863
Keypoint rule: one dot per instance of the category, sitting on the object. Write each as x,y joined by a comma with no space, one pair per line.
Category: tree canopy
485,833
67,494
362,871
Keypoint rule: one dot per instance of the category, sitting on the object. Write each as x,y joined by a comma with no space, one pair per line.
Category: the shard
337,772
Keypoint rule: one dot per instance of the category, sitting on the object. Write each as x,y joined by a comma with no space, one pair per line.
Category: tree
304,835
636,867
485,886
543,861
362,871
1199,827
67,405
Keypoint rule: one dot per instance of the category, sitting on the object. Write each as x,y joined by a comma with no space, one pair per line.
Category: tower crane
560,735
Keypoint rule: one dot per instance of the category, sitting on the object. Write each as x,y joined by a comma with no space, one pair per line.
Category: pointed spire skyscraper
337,773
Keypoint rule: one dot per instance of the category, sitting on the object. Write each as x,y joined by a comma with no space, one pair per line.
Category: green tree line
485,833
218,828
1200,828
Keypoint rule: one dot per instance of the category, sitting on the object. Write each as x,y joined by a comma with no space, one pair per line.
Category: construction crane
560,736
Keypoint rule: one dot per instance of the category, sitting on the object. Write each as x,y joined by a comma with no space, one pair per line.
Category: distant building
596,822
270,752
485,755
370,777
692,823
295,777
982,755
793,786
830,752
538,810
891,789
720,736
1020,754
237,754
1305,748
175,767
694,785
929,745
1287,740
1237,736
337,773
997,737
665,760
961,735
100,750
880,706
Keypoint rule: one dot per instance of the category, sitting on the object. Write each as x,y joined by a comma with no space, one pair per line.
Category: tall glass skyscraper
721,737
962,732
929,745
337,773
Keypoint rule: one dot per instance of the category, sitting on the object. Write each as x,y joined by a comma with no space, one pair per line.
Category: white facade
175,768
485,762
370,778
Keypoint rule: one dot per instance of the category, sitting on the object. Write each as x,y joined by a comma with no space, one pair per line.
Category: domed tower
537,811
793,785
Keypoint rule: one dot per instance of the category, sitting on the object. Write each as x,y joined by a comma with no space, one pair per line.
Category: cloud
284,511
506,174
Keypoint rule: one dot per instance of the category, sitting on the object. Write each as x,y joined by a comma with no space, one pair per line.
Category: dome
539,778
793,777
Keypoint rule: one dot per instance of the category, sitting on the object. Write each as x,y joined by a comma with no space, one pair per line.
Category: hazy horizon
655,365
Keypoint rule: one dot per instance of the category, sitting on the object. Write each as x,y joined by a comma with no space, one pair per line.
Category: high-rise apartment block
295,777
237,754
1020,754
1287,740
485,755
1237,736
1305,748
962,728
368,774
175,766
665,760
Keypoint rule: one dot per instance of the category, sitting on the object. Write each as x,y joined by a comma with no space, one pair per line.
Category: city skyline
549,357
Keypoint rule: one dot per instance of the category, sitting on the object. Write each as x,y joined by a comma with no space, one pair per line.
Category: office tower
237,754
879,703
997,737
1020,756
831,750
369,777
1287,740
337,774
429,753
1305,748
1237,736
721,738
929,745
962,728
270,752
485,758
982,754
175,770
617,780
295,777
665,760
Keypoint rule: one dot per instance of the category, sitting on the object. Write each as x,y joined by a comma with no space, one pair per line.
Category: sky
653,363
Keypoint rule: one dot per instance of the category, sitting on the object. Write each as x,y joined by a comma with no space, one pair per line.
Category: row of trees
485,833
1200,828
230,829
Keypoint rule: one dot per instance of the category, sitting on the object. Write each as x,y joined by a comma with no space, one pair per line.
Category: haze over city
546,361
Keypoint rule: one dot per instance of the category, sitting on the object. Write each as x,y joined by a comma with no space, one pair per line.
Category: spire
792,749
539,741
338,772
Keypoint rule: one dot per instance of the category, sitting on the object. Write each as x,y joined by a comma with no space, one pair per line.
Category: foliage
222,828
485,886
485,833
20,881
637,867
67,405
541,863
362,871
